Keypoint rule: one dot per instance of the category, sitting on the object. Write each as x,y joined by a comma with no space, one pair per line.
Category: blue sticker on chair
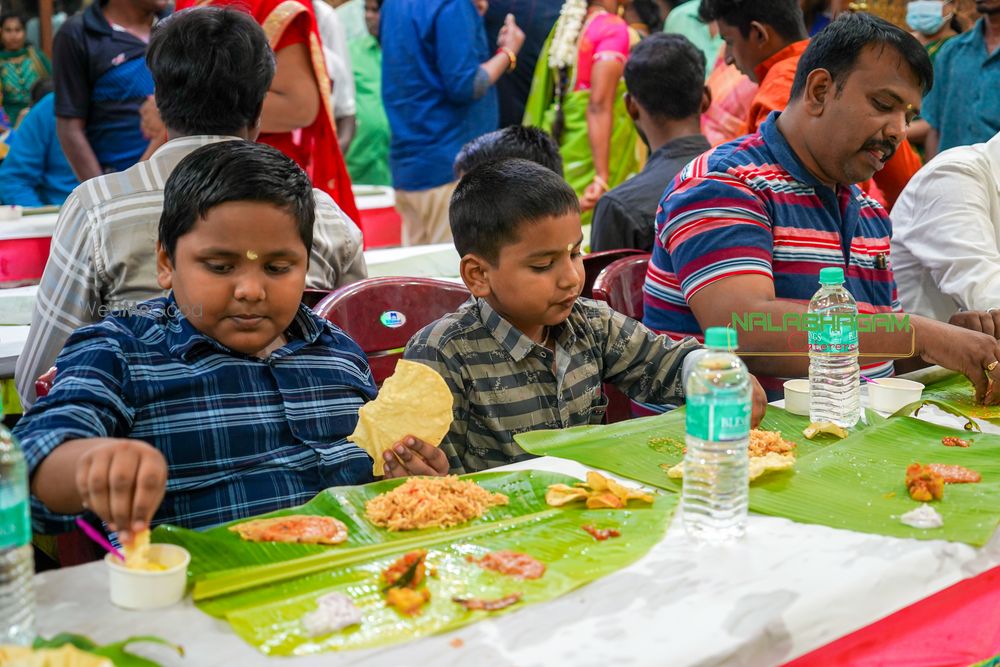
393,319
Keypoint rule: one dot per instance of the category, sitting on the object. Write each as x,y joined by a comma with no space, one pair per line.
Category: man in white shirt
946,234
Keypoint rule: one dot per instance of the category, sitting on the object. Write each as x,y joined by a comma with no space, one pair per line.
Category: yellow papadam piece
816,428
414,401
561,494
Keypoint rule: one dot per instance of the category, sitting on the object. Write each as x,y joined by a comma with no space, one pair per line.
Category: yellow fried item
407,600
137,555
561,494
64,656
415,401
599,491
816,428
759,465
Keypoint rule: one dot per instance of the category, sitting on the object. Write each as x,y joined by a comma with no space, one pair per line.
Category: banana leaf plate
642,449
956,392
264,589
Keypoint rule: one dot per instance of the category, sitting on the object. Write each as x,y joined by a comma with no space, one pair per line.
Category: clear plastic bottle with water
17,567
718,390
834,373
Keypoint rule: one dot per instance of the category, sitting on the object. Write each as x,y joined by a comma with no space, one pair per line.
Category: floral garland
562,50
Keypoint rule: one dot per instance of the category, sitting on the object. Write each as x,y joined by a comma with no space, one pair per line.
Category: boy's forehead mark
251,255
556,251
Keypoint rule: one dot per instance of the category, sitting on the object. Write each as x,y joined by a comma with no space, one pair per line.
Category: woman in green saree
21,66
578,95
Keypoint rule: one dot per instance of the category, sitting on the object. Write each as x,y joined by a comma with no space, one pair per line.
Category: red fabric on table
953,628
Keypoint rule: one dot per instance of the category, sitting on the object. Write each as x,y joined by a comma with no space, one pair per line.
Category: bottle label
15,523
718,420
835,335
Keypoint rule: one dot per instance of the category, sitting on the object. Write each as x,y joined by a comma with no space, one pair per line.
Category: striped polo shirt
749,207
503,383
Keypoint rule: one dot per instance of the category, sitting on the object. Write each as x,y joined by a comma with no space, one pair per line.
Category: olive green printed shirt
504,383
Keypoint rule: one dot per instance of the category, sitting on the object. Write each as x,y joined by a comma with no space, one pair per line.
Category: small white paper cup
797,397
890,394
141,589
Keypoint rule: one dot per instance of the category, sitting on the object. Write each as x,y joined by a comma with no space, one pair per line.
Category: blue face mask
926,16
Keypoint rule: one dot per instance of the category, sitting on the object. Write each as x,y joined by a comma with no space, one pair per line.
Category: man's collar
783,153
793,50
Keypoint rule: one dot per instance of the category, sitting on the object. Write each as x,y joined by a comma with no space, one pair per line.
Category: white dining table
785,589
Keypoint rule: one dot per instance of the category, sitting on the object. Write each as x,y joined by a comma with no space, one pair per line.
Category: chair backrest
620,285
382,314
595,262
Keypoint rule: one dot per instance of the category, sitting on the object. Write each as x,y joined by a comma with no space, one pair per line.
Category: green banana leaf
859,484
116,652
957,392
638,448
263,590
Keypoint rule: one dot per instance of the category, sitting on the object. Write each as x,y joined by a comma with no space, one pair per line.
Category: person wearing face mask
964,106
933,22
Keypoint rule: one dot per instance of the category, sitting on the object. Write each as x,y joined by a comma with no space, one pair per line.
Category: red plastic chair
595,262
382,314
620,285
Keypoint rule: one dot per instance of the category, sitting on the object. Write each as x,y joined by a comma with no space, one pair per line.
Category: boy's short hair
516,141
836,48
785,16
211,68
230,171
665,73
495,198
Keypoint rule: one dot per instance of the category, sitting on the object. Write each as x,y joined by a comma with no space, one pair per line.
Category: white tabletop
29,227
783,591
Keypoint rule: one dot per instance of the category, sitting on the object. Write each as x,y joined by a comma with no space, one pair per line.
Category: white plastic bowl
890,394
797,397
141,589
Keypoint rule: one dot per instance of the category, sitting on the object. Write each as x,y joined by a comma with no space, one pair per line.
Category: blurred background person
298,117
684,20
35,171
535,18
438,76
21,65
368,157
101,80
337,55
578,95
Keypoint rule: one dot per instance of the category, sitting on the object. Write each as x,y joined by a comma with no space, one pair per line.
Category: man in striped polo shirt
746,228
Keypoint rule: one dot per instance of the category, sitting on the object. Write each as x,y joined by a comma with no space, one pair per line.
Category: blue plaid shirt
241,435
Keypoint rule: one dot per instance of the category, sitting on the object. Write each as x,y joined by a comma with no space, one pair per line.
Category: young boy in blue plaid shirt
225,399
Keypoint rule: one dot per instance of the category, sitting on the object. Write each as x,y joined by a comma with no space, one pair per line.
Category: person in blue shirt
963,108
437,89
35,171
225,399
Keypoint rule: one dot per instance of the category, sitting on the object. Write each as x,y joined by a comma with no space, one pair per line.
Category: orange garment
775,76
732,92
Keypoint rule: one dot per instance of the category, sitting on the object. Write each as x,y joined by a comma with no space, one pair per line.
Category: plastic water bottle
834,374
17,567
714,499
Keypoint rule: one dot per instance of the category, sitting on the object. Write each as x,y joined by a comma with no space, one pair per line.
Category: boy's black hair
836,49
516,141
665,73
211,69
494,199
229,171
41,88
785,16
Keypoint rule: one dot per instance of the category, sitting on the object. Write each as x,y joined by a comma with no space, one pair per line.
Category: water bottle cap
722,338
831,275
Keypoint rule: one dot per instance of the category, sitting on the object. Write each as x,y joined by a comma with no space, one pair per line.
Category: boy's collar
184,339
511,339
